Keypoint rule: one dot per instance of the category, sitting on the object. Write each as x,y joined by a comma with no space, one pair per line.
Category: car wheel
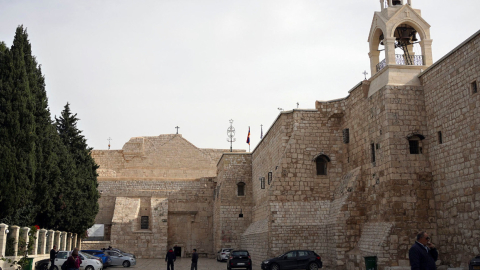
218,259
275,267
313,266
126,264
89,268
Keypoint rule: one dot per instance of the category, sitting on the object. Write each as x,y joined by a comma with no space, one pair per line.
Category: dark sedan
295,259
42,264
239,259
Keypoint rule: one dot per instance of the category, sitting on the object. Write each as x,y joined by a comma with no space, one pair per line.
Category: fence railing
403,60
14,238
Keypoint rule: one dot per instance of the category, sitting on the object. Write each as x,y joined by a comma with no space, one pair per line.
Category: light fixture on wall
7,231
241,213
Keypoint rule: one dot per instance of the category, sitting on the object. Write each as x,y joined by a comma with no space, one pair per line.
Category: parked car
295,259
42,264
106,260
239,259
121,258
121,251
223,254
89,262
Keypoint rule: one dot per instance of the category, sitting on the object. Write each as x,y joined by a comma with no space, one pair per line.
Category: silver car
121,259
223,254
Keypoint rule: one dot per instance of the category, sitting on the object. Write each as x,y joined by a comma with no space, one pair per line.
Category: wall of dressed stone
453,109
232,169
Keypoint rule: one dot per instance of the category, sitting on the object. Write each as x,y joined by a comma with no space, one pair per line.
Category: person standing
53,255
170,259
74,261
423,253
194,260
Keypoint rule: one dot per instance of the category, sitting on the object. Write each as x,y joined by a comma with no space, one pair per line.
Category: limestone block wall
127,235
166,156
232,169
453,109
396,187
256,240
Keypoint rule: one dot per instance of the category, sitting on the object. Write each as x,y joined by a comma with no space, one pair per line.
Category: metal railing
410,60
381,65
403,60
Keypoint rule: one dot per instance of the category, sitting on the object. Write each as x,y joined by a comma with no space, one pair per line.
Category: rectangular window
144,223
373,151
346,135
440,139
414,147
474,87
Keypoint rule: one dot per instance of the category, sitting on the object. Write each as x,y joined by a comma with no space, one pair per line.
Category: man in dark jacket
194,259
423,253
53,255
170,259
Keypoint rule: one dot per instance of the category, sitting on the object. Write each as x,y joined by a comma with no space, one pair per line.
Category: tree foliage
47,175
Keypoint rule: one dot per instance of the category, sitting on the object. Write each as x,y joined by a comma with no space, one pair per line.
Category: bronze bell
414,38
381,39
405,37
396,2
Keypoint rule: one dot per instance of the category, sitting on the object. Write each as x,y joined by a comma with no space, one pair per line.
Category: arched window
415,143
241,189
321,162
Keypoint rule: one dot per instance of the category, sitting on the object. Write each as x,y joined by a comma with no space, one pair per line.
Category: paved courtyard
180,264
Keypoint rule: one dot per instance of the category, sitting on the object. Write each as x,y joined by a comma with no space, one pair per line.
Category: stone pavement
180,264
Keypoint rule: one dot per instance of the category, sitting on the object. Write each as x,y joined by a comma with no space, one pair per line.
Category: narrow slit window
373,151
440,138
474,87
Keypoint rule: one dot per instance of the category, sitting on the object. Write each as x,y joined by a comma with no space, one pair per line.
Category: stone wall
232,169
454,110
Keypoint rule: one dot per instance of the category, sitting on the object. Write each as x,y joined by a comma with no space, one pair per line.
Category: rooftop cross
365,73
177,127
109,139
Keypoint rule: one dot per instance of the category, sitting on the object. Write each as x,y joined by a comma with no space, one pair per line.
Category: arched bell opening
377,51
408,45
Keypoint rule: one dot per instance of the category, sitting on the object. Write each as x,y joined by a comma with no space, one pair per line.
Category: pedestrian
170,259
423,253
194,259
53,255
74,261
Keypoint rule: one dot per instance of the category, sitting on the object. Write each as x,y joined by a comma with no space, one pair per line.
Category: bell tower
401,37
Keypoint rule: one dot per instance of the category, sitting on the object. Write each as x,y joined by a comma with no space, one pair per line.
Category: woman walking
74,261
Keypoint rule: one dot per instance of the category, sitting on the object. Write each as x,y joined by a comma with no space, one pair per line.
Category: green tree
17,133
81,193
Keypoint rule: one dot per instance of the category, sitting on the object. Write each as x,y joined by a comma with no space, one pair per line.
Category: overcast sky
140,68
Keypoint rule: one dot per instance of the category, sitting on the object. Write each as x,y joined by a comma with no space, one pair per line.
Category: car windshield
240,253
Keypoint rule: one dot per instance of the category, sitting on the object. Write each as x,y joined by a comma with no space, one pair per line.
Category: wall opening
321,164
241,189
440,138
474,87
144,223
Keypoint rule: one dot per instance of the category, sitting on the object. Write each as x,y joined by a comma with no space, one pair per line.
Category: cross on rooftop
365,73
177,127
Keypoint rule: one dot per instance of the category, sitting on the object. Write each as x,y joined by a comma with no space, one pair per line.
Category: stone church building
353,177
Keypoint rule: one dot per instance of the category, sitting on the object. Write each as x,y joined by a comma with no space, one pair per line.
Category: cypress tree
17,133
82,194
